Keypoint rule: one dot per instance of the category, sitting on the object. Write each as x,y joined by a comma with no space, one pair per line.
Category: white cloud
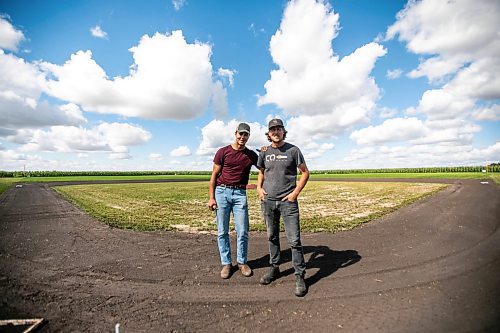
323,94
17,76
180,151
488,113
227,73
454,33
315,150
21,86
170,79
459,45
10,37
441,154
393,73
120,156
386,112
106,137
98,32
17,112
155,157
178,4
444,104
217,134
480,80
396,129
11,155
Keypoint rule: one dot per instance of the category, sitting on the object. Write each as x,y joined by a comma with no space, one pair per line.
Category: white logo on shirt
273,157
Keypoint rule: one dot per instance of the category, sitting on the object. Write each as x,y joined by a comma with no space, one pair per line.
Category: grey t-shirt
280,169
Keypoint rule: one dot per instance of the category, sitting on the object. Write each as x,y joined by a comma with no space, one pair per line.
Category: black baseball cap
274,123
243,127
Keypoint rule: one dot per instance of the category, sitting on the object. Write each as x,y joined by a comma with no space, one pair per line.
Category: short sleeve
219,157
300,158
260,161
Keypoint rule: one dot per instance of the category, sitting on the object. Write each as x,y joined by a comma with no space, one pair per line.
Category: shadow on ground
326,260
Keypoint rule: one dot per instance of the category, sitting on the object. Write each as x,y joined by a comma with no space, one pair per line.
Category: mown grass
5,183
495,176
325,206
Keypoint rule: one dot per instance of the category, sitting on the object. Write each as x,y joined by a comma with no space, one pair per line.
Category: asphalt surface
432,266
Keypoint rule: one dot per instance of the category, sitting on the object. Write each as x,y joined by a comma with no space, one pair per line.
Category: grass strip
325,206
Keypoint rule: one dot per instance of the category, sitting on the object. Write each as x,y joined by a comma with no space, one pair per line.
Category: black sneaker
300,286
270,276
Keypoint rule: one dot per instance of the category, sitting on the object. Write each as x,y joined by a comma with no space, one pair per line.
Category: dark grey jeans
272,211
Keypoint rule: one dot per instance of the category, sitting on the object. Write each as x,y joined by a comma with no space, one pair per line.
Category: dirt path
433,266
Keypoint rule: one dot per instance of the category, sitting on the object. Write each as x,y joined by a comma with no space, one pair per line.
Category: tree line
494,167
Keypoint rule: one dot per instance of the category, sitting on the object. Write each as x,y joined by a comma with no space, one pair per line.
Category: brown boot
225,272
245,270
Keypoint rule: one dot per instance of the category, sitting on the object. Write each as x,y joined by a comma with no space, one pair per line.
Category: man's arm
212,204
260,182
304,171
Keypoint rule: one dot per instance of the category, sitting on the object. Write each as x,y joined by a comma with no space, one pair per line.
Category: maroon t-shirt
236,165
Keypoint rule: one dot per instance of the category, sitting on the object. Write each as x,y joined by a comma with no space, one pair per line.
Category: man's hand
212,204
263,148
290,197
262,193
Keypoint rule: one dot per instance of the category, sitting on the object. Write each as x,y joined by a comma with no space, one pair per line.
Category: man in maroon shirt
227,193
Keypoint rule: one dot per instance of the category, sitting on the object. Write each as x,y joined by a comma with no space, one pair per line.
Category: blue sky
161,85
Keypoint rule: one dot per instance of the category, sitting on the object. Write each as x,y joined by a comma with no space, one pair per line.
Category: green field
495,176
325,206
417,175
5,183
93,178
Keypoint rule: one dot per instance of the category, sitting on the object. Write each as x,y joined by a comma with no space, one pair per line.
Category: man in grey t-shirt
278,191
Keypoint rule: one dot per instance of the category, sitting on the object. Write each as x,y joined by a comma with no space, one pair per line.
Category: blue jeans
289,210
232,200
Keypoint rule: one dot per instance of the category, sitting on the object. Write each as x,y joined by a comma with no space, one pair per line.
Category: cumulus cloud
441,154
114,138
19,77
488,113
11,155
21,106
18,112
170,79
459,44
180,151
452,32
323,94
396,129
315,150
217,134
98,32
10,37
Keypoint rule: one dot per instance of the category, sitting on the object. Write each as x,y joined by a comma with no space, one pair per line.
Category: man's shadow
326,260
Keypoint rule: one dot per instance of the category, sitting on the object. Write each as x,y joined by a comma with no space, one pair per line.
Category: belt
240,187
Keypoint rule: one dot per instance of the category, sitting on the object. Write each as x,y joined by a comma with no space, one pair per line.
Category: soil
432,266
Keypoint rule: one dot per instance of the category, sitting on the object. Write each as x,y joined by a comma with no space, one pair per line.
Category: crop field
325,206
